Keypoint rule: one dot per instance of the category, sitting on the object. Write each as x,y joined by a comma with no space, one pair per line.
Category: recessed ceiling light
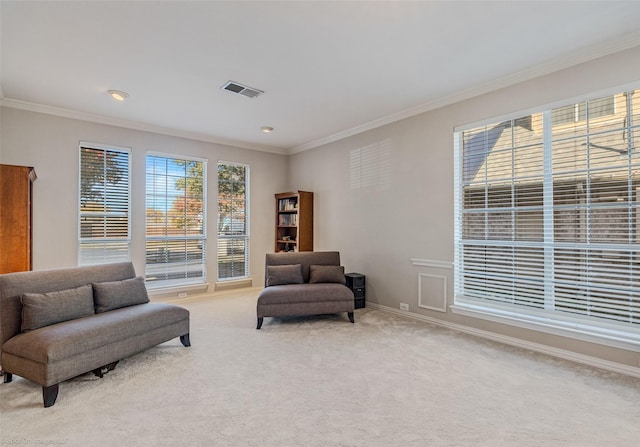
266,129
118,95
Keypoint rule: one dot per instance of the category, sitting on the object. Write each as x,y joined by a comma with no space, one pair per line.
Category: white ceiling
328,69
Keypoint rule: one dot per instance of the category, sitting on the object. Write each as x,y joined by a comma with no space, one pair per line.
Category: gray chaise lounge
304,283
59,324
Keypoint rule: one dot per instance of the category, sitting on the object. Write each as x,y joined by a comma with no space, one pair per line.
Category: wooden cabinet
294,221
15,218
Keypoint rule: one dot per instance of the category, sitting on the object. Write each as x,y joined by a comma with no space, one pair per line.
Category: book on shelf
288,220
289,204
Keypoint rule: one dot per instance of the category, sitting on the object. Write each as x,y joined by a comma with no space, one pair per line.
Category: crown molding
129,124
630,40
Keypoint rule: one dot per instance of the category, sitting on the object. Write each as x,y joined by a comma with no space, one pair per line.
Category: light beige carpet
321,381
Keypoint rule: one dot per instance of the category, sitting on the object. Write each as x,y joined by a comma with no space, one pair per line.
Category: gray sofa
58,324
304,283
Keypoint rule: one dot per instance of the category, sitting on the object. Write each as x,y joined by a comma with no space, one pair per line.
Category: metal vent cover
244,90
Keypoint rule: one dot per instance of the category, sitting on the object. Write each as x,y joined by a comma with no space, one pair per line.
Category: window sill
608,336
177,290
233,283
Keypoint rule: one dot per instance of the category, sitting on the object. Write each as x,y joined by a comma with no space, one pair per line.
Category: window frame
106,240
166,268
601,331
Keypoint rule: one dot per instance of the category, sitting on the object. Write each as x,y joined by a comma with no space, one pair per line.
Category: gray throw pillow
44,309
326,273
116,294
278,275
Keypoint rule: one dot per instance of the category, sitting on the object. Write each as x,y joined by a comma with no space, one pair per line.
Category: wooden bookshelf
16,218
294,221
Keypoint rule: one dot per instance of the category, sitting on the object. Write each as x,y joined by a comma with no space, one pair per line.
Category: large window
176,227
547,221
104,227
233,232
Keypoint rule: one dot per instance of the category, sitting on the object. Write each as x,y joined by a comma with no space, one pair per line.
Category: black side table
355,281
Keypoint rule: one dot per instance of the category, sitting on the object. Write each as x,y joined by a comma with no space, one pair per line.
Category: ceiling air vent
240,89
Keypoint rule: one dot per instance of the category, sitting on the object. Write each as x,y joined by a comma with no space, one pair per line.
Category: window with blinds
104,208
547,219
175,221
233,231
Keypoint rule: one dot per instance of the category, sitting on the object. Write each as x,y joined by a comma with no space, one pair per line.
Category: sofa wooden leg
184,339
8,377
351,317
260,319
49,395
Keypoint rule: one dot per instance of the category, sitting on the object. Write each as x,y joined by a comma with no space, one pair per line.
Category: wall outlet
182,295
404,306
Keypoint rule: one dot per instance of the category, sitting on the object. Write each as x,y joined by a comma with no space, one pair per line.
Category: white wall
378,229
50,144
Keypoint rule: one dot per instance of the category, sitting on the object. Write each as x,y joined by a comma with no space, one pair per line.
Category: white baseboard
505,339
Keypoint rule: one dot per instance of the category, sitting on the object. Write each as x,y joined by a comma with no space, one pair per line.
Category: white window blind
176,221
547,217
233,229
104,208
